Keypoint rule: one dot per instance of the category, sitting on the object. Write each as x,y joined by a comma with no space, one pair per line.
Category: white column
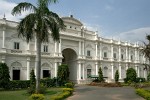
79,48
56,69
138,55
119,53
96,65
28,68
100,52
28,46
126,66
83,48
135,58
60,46
55,48
112,53
112,71
138,71
127,54
120,77
3,46
83,71
96,49
11,74
79,71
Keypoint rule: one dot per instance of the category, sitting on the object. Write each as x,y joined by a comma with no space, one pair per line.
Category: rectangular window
88,53
131,57
45,49
115,55
121,56
105,54
16,45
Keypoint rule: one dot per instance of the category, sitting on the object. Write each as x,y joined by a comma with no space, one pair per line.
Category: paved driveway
83,92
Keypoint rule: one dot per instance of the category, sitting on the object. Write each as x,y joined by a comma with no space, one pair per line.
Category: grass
22,94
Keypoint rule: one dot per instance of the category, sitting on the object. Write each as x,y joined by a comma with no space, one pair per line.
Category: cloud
6,8
135,35
109,7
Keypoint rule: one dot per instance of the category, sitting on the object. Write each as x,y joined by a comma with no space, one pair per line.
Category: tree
116,76
40,23
63,74
100,73
131,75
148,77
146,51
4,76
32,78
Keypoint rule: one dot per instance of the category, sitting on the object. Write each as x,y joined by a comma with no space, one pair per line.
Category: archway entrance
70,58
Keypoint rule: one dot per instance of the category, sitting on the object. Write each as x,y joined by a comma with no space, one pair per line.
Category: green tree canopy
63,74
116,76
100,73
4,76
131,75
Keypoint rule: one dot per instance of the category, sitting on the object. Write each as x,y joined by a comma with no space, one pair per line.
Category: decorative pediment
72,21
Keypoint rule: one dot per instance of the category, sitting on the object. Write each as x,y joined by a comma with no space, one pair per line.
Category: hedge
22,84
19,84
65,93
143,93
36,97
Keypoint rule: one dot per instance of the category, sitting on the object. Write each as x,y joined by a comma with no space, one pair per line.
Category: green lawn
22,94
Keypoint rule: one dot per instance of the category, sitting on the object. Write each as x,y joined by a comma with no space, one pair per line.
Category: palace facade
83,50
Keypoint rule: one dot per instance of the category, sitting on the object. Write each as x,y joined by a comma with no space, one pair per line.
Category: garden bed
103,84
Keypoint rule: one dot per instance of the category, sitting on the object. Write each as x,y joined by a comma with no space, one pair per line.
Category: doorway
16,74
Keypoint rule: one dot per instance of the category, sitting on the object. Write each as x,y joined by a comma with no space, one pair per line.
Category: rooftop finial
4,17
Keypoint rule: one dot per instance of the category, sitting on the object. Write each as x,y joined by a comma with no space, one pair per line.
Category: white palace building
83,50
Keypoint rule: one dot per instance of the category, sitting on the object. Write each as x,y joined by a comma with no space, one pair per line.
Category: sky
128,20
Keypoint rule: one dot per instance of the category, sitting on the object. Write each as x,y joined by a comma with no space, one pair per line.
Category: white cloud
6,8
135,34
109,8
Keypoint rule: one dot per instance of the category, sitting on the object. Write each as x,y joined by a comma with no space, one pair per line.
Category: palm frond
23,6
26,27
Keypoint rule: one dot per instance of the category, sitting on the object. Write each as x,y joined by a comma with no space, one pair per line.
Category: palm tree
40,23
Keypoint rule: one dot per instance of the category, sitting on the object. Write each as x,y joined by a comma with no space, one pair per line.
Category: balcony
105,58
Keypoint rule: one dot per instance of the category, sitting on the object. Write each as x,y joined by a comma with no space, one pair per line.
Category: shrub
66,92
68,89
131,75
143,93
19,84
63,74
37,97
32,78
125,80
140,79
69,85
148,77
4,76
116,76
100,78
48,82
31,90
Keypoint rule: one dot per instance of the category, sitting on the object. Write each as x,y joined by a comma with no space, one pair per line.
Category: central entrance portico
70,58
